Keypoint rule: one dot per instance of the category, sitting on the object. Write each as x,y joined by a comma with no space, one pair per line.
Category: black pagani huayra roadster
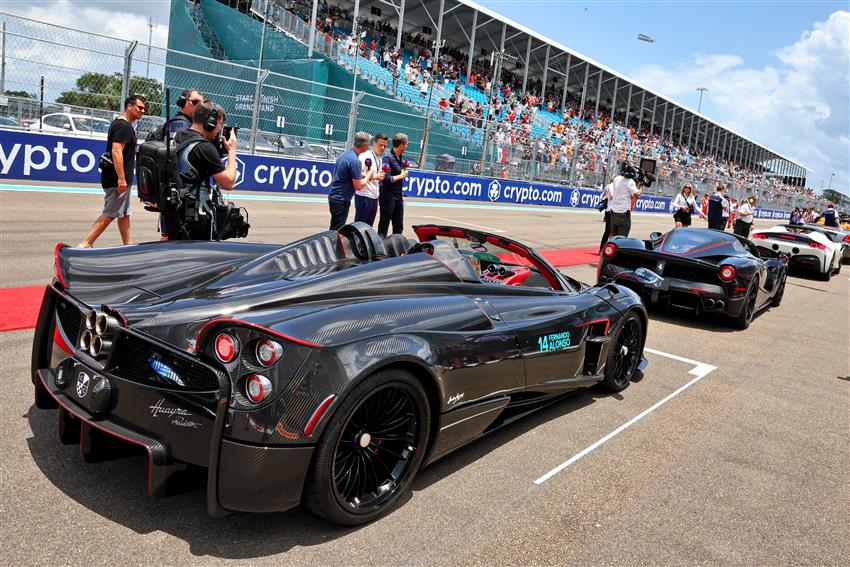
701,270
324,372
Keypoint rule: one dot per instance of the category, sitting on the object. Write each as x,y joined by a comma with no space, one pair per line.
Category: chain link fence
49,69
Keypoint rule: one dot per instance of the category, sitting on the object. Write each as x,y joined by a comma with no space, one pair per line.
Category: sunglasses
195,100
142,108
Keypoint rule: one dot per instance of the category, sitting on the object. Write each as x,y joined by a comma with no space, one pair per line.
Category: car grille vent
138,360
71,318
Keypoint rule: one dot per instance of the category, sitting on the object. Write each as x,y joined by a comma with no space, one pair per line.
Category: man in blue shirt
830,216
391,198
715,209
348,178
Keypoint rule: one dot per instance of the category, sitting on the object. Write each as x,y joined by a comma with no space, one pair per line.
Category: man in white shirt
620,193
366,199
744,221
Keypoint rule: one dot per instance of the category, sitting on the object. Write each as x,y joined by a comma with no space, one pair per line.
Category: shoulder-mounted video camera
223,135
644,173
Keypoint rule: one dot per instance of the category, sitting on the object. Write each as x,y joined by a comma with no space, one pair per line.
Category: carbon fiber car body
343,306
685,266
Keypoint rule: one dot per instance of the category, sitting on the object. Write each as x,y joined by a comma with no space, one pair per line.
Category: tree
99,90
20,94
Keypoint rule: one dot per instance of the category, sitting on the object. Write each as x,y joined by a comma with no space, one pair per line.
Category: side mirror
66,126
655,235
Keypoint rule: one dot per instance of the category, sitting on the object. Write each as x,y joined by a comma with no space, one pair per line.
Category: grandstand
543,87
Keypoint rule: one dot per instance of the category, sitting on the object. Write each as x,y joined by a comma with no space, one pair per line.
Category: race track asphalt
748,465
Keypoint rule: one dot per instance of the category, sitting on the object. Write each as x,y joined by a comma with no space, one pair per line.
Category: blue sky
607,31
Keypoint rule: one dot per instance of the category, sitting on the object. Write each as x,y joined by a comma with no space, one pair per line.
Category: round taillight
609,250
817,245
257,388
728,273
226,347
268,352
760,236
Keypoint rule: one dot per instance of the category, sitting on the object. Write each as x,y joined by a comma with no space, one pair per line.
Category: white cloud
112,22
61,55
798,106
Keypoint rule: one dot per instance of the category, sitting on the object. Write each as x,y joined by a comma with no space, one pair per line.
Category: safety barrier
37,157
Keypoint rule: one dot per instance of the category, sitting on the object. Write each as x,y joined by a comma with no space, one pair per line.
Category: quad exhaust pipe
99,345
709,303
96,338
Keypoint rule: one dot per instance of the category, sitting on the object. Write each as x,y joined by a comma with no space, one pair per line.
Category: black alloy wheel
371,449
624,354
827,275
748,310
780,293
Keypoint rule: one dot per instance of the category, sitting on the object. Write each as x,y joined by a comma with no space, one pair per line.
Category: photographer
186,104
199,159
620,192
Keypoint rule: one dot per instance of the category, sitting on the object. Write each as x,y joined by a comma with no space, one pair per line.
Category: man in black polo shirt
117,180
390,199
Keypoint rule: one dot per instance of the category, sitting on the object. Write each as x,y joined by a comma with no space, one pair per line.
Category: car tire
357,476
827,275
838,268
624,354
777,297
748,310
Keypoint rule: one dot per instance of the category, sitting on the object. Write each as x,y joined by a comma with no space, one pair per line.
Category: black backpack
158,179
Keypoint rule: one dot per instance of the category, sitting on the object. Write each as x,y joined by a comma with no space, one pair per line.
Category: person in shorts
117,179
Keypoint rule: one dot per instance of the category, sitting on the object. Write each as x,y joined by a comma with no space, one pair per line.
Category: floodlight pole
435,45
355,31
701,91
3,63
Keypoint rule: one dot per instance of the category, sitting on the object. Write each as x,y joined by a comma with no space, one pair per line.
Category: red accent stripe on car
60,340
239,323
56,267
595,321
317,415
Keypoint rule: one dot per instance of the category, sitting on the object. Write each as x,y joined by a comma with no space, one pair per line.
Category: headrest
397,245
365,242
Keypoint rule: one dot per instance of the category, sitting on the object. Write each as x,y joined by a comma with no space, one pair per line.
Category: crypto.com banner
36,157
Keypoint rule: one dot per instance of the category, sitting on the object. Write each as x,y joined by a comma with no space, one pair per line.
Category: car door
549,317
551,329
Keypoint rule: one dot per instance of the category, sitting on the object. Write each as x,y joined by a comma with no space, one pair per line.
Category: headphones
183,98
211,120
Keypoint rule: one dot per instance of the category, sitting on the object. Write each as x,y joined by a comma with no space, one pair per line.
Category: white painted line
491,229
700,370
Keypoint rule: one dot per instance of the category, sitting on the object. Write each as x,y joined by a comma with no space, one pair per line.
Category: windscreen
690,241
